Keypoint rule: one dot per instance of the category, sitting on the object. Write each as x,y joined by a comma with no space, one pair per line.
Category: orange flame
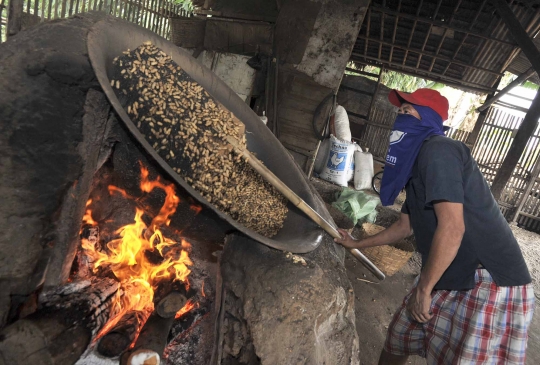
196,208
186,308
171,200
87,218
113,189
126,256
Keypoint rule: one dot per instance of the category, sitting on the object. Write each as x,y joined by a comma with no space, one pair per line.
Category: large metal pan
111,36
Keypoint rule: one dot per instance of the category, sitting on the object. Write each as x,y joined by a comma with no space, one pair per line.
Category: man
473,301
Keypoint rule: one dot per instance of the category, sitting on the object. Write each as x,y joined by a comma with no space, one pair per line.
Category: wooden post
531,119
372,102
14,21
526,129
471,140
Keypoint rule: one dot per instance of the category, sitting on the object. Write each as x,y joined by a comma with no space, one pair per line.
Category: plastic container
264,118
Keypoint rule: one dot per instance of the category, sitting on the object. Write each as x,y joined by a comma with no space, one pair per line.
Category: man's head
409,109
423,97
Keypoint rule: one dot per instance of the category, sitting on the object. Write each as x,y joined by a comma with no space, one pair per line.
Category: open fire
142,258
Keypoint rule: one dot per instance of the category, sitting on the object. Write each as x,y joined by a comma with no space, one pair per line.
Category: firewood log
122,335
60,331
153,337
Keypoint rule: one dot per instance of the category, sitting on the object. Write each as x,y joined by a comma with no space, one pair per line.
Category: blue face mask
406,138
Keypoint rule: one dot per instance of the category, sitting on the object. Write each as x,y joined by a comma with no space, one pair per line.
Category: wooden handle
299,202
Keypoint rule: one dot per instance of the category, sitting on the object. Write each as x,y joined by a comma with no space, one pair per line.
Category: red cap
423,97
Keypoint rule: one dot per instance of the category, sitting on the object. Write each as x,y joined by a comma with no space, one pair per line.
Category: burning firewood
118,339
171,304
190,130
121,336
85,263
149,268
152,340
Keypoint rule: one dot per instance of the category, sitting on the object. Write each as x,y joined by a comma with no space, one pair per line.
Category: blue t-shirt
445,170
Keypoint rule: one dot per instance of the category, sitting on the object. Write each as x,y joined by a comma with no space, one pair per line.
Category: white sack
341,123
363,171
350,173
338,163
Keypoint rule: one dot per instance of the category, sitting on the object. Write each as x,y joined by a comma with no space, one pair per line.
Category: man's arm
397,231
444,248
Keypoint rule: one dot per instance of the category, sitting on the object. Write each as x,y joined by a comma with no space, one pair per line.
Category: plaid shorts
484,325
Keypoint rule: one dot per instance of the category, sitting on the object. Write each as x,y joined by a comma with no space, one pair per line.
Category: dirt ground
376,302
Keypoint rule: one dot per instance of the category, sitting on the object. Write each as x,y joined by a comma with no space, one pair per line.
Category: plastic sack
363,170
357,205
350,174
338,162
341,123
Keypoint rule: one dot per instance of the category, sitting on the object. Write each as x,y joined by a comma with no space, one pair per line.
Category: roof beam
367,29
523,77
381,34
424,53
527,127
394,32
412,32
462,42
428,34
517,49
437,23
444,35
360,72
451,81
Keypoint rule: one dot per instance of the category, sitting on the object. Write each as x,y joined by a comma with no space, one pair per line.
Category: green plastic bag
357,205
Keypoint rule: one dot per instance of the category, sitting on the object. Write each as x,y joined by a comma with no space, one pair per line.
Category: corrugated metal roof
462,43
521,64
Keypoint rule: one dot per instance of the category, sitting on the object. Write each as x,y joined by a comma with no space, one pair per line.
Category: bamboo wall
151,14
493,143
377,131
3,20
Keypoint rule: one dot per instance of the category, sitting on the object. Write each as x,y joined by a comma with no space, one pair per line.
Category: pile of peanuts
188,128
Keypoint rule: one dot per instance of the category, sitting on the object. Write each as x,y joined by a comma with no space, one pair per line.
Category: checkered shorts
484,325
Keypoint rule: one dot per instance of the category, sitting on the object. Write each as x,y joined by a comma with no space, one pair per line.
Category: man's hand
419,306
397,231
346,239
446,243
